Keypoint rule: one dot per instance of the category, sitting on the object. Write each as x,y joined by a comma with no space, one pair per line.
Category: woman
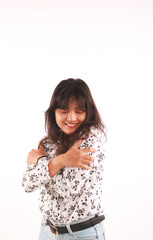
68,166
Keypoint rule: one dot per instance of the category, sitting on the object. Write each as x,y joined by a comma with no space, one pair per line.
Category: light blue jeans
93,233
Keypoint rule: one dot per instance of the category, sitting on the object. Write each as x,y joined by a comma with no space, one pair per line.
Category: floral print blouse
73,193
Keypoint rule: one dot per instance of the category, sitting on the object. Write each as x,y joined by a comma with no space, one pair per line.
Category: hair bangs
65,97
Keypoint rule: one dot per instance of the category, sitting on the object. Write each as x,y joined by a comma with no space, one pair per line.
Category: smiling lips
72,124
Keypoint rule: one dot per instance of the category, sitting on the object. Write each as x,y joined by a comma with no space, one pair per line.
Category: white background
107,43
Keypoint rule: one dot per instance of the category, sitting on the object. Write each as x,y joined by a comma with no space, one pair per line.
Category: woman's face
70,119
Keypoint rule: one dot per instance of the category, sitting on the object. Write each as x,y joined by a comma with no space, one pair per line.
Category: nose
71,116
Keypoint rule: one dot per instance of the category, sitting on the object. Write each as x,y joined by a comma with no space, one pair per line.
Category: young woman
68,166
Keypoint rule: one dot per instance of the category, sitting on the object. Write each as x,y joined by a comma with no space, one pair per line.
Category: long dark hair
66,90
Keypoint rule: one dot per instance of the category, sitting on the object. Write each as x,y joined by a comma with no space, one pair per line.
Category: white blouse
73,193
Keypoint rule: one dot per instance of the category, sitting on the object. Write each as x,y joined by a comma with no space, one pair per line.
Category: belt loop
72,234
70,230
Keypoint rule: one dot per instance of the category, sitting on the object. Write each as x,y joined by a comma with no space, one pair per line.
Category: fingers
88,150
34,154
41,149
77,143
87,157
40,146
85,167
87,162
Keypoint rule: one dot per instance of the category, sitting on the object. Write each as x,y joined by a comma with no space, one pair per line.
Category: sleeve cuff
41,157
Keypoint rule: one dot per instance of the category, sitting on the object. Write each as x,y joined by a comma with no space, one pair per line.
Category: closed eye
63,110
79,112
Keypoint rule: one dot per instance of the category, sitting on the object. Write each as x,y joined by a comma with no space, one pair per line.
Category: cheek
59,118
83,117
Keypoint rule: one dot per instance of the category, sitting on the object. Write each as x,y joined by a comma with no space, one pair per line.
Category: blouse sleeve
71,182
36,175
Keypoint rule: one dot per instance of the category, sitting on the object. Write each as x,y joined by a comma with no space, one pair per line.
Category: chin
69,132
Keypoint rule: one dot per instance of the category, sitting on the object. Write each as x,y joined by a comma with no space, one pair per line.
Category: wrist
60,160
55,165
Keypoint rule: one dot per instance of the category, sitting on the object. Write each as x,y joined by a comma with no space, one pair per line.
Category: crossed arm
74,157
63,171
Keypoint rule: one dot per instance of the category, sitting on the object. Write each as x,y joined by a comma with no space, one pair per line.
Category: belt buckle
54,229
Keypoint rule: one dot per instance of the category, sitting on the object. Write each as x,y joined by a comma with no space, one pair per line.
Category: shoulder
96,134
95,137
48,145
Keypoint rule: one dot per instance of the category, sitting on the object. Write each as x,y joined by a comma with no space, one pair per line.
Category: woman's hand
76,157
35,154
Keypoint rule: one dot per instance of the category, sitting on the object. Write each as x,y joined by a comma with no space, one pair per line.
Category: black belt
76,227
